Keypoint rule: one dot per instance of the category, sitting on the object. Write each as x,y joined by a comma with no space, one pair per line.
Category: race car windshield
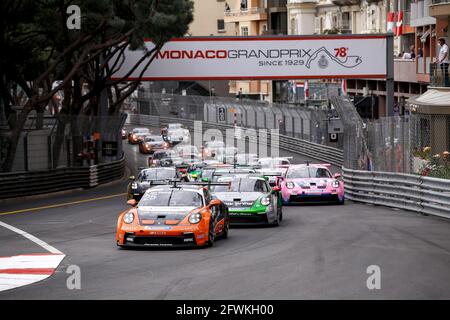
308,172
161,155
240,185
154,139
172,198
135,131
159,174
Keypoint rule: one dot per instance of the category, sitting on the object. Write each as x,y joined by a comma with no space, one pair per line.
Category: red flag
390,22
399,26
306,90
344,87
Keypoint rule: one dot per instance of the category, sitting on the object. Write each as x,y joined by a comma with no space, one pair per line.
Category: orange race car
178,214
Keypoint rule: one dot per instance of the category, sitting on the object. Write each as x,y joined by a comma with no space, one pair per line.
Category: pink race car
311,183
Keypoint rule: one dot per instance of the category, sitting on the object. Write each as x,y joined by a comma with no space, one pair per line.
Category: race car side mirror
132,178
215,202
337,175
276,189
132,202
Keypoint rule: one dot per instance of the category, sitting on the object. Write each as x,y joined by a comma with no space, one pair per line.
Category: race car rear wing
176,183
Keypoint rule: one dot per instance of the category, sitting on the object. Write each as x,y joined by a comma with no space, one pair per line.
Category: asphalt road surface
318,252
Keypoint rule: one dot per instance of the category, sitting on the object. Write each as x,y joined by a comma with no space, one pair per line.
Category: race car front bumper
311,198
237,219
163,236
184,240
251,217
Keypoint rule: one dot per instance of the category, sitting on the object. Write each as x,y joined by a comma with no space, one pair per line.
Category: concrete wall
405,70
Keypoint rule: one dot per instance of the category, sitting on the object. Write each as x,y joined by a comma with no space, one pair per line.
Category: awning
423,38
432,97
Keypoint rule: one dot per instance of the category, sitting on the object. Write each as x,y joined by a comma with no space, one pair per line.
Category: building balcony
437,76
413,70
250,14
277,4
275,32
439,8
308,1
345,2
405,70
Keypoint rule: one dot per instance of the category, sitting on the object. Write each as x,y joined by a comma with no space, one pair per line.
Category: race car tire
276,223
341,202
280,213
211,239
225,231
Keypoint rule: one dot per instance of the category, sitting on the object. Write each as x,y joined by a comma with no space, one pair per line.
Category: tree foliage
38,49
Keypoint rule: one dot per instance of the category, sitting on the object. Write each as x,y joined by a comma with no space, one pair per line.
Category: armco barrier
404,191
306,148
20,184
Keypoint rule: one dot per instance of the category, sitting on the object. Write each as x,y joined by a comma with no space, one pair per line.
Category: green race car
250,200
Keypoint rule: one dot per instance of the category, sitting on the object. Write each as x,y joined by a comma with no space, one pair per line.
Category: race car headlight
134,185
195,217
335,184
147,145
290,185
134,136
265,201
128,217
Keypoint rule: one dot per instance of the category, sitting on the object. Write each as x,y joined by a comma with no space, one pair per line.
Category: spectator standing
420,53
443,60
412,52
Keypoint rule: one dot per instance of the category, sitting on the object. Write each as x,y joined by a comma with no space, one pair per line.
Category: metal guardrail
306,148
20,184
404,191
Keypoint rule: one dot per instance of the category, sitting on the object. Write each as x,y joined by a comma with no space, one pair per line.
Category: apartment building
424,21
432,20
209,19
254,18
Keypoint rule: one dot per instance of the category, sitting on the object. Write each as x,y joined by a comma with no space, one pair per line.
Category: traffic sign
333,137
221,114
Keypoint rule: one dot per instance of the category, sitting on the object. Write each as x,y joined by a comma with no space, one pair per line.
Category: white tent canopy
433,97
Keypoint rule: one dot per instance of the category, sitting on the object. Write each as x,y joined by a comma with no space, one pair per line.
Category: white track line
30,237
22,270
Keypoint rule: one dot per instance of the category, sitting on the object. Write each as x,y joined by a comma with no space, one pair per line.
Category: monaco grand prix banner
288,57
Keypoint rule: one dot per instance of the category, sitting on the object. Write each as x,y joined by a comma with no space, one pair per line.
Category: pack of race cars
190,197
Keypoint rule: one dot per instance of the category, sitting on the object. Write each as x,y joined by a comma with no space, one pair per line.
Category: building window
244,31
220,25
244,5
